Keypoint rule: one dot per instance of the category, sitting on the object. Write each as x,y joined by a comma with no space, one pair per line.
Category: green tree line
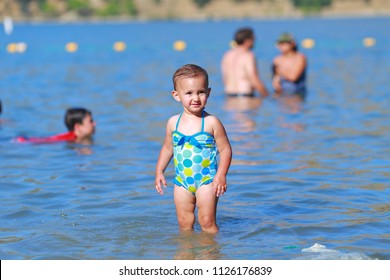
111,8
81,7
306,5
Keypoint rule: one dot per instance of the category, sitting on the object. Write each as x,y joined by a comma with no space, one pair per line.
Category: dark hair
189,71
75,115
273,69
243,34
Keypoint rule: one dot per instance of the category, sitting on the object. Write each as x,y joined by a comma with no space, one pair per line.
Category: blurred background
186,9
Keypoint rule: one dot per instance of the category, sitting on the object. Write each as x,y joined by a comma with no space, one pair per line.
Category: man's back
237,69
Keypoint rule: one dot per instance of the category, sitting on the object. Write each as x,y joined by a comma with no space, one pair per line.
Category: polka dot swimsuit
195,158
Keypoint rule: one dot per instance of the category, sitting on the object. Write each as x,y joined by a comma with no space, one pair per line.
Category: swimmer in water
194,138
81,128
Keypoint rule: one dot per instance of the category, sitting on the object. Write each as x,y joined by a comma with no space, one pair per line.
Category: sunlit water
320,175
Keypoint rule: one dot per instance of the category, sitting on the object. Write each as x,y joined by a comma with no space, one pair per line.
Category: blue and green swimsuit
195,158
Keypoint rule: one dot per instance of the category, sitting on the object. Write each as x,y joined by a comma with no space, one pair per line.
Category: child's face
86,129
193,93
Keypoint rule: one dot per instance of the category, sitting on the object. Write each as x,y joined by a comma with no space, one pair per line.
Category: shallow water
319,175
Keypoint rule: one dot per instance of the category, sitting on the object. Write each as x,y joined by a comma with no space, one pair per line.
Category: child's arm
225,157
164,158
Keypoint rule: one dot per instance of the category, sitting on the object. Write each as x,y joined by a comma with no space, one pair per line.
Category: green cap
285,38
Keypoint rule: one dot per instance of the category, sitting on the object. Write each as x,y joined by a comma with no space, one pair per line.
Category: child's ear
76,126
209,91
175,95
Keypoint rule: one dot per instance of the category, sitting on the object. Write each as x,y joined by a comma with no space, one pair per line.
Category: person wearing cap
289,68
239,68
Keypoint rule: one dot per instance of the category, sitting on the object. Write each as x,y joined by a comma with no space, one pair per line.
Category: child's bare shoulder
212,118
172,121
174,118
213,122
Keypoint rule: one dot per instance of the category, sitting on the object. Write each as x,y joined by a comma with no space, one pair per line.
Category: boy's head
79,120
189,71
243,35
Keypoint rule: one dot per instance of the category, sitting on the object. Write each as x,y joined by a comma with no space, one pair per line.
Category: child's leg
185,207
206,201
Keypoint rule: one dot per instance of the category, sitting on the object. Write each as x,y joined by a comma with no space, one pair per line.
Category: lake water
312,184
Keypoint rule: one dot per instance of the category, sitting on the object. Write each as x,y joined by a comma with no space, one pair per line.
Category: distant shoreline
142,20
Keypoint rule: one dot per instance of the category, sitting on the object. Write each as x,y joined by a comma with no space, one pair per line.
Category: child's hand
160,181
219,186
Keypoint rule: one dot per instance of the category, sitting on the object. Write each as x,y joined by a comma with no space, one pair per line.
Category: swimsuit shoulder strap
178,120
203,121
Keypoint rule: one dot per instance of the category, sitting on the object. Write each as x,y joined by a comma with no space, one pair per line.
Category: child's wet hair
74,116
189,71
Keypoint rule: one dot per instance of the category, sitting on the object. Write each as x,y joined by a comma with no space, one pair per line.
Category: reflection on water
290,103
198,246
241,109
302,173
82,149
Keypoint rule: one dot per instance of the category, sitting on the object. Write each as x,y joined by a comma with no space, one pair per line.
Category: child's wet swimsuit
195,158
68,137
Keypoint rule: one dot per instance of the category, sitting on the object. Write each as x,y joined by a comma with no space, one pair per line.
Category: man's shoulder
228,53
249,54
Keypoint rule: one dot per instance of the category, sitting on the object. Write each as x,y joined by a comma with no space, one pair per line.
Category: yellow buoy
71,47
17,47
179,46
369,42
12,48
21,47
308,43
119,46
233,44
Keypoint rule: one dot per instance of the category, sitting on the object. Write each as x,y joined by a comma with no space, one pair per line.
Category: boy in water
80,126
194,138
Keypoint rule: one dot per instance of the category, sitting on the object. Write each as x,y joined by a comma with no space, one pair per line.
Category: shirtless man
239,67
